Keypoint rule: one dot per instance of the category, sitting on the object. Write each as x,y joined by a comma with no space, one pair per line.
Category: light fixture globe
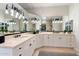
6,11
17,14
23,17
20,16
12,10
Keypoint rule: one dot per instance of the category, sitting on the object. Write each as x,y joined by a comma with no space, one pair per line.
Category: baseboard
77,51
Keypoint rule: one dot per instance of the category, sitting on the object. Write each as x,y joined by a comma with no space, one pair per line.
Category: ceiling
46,9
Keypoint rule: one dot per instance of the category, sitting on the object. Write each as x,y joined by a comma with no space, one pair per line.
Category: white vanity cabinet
37,41
25,49
19,50
27,46
70,40
40,40
16,51
58,40
46,40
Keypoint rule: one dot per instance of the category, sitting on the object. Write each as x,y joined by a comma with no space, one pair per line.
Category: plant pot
34,32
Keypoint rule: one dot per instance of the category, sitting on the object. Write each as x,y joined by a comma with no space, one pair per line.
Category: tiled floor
51,49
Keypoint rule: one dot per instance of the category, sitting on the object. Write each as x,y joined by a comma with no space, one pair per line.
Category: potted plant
37,31
69,31
34,32
65,31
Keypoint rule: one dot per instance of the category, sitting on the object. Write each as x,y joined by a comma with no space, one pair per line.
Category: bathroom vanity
25,44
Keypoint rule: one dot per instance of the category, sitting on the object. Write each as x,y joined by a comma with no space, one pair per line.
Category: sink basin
2,39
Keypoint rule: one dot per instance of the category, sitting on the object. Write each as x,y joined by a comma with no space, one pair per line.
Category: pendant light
23,15
25,21
17,13
12,10
6,11
20,16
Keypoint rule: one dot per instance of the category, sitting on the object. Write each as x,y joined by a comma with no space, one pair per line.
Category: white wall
74,15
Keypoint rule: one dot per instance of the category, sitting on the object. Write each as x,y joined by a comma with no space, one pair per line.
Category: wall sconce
17,13
7,12
20,16
34,20
25,21
23,15
14,11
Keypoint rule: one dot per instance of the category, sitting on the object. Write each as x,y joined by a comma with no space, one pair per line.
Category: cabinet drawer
19,50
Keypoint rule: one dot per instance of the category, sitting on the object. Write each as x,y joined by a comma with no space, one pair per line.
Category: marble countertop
11,42
60,33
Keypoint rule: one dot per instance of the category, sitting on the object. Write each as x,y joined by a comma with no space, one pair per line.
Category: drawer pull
20,48
30,44
20,54
60,38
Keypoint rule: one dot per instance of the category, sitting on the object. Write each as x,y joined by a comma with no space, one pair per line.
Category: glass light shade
17,14
33,21
25,22
20,16
12,12
6,12
23,17
61,21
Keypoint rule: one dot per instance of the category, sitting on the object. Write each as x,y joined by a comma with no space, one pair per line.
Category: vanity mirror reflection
52,24
10,26
11,18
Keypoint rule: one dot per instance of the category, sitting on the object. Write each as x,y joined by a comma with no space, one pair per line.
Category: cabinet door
60,41
40,40
70,41
34,42
51,40
46,40
57,41
24,49
29,47
19,50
